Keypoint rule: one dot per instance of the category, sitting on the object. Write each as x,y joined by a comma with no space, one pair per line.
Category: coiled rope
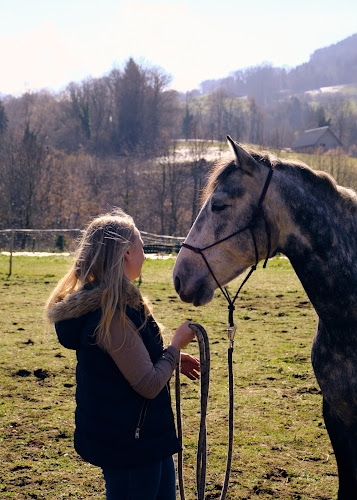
201,457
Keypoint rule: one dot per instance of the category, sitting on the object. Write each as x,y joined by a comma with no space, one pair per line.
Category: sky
46,44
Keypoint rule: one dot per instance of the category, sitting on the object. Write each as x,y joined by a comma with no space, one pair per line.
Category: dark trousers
155,481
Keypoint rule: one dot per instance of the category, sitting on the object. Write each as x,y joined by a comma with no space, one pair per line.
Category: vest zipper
141,418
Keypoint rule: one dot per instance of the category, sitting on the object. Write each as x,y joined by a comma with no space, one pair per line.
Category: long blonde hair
100,261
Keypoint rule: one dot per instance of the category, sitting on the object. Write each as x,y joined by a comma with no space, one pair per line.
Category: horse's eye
218,207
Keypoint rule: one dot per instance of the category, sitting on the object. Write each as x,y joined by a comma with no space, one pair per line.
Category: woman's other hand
190,366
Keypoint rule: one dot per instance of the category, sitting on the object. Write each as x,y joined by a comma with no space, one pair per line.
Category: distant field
281,448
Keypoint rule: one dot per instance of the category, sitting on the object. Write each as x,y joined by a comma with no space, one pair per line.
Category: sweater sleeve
129,353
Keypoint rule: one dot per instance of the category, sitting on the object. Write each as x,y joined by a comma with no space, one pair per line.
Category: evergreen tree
131,109
3,119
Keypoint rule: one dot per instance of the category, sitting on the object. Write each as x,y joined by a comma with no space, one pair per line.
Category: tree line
112,141
44,187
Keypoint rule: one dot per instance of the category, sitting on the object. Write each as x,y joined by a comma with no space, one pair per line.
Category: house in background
316,138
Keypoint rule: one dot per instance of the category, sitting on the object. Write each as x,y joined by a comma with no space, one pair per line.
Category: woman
124,420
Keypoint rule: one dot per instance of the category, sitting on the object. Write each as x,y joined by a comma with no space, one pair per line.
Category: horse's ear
242,157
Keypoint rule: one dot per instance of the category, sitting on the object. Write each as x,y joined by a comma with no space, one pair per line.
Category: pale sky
49,43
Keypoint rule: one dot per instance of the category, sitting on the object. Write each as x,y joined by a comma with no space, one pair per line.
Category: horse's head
230,229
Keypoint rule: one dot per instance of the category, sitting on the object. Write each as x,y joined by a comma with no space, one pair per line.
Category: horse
256,205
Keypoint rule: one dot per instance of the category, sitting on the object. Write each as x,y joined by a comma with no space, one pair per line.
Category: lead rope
201,462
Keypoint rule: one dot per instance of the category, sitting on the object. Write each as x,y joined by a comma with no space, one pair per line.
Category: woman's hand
190,366
182,336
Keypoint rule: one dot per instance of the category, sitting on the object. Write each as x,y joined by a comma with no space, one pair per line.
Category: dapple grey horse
257,205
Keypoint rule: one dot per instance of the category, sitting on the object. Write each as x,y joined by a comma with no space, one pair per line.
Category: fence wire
66,240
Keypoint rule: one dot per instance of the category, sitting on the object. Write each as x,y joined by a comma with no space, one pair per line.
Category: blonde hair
100,261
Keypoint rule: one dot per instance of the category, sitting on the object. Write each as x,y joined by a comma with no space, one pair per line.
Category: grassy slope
281,448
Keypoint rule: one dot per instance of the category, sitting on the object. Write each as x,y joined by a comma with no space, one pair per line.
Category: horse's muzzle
198,293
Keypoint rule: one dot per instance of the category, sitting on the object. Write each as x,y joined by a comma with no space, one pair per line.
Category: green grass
281,448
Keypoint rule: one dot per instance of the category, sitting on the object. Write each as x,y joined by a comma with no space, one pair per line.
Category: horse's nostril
177,284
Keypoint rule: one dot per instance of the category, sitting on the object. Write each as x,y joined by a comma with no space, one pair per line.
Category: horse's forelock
220,170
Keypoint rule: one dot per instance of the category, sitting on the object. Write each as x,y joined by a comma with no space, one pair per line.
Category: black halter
257,212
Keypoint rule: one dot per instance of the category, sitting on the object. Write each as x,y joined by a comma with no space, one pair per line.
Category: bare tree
340,110
217,110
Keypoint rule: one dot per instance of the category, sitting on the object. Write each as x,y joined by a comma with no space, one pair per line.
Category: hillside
328,66
333,65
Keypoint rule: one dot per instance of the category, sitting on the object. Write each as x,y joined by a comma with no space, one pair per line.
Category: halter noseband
257,212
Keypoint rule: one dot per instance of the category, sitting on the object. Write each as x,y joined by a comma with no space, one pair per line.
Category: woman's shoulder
70,331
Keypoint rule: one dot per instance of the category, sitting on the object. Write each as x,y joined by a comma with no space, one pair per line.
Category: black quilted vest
115,426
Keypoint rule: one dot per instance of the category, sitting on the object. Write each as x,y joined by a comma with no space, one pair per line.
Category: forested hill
341,52
333,65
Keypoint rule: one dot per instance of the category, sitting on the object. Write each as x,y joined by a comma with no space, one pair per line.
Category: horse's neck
322,245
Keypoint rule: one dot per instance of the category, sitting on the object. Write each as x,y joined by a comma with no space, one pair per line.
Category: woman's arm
132,358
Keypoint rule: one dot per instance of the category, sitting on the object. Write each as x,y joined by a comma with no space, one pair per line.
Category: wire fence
14,241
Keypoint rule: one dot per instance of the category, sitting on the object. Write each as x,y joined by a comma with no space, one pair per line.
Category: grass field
281,448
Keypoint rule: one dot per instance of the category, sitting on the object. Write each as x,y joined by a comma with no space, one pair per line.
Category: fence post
11,250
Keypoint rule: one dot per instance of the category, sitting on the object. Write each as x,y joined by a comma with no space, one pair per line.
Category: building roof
311,137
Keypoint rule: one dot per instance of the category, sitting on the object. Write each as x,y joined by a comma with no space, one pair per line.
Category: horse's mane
224,167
